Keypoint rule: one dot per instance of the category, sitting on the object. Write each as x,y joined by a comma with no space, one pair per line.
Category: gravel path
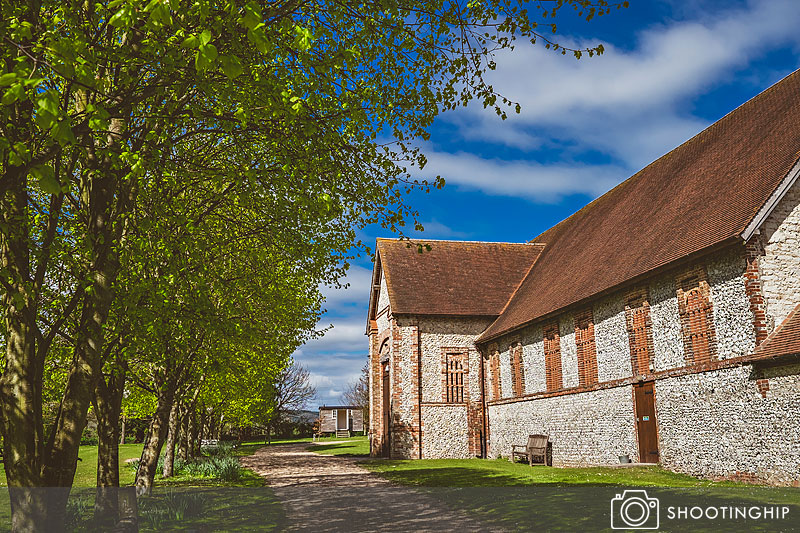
332,493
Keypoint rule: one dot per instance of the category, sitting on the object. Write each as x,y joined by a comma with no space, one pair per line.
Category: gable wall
446,427
780,264
383,306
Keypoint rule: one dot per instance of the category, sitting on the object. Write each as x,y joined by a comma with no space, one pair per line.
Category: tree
357,393
103,100
291,390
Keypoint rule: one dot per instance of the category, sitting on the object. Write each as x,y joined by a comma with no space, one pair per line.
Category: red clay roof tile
785,340
454,277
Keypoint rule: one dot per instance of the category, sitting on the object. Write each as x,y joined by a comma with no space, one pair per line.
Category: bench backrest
537,442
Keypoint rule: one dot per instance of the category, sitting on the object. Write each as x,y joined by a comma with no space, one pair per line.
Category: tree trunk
108,405
172,430
194,448
153,441
20,386
99,191
201,430
186,435
122,431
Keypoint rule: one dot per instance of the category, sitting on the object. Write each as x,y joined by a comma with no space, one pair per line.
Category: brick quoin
754,250
763,386
640,330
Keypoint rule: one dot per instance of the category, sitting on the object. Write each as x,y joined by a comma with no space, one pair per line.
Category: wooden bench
534,450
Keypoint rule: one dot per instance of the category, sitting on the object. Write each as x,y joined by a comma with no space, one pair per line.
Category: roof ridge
527,243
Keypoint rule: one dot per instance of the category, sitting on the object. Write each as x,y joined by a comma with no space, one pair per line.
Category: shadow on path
333,493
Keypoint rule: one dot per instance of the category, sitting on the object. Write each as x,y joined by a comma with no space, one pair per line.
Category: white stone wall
437,333
733,318
667,336
585,429
611,339
444,432
506,391
406,361
569,351
717,424
532,340
780,266
383,301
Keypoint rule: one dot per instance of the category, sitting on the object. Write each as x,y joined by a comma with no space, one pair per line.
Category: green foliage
173,506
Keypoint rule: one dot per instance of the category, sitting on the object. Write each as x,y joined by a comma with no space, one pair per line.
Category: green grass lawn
354,446
518,497
503,473
205,503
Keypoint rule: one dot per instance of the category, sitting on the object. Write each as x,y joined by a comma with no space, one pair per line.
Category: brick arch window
455,369
517,370
640,331
552,356
697,317
586,348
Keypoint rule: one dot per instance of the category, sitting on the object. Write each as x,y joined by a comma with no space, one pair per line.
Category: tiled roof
785,340
454,277
703,193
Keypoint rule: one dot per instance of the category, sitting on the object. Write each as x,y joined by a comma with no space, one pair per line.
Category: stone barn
661,321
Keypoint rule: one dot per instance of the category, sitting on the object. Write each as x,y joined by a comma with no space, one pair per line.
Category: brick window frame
552,356
586,348
517,369
494,368
639,324
455,375
697,316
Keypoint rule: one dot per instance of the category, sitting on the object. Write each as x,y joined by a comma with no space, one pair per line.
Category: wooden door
646,422
386,411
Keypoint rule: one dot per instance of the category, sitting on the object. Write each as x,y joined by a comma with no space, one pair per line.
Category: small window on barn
552,356
587,351
697,317
454,376
640,331
517,370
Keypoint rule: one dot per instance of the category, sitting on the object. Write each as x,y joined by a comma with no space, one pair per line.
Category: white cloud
633,105
358,280
544,183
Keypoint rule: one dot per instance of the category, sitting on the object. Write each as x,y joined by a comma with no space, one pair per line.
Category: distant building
341,419
661,321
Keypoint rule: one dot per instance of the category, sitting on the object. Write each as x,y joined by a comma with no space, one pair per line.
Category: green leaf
122,18
8,79
231,66
191,42
14,93
205,37
251,17
205,57
46,179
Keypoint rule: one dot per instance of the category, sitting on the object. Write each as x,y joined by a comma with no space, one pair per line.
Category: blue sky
671,68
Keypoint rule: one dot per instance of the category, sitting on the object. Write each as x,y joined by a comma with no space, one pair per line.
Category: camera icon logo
634,509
